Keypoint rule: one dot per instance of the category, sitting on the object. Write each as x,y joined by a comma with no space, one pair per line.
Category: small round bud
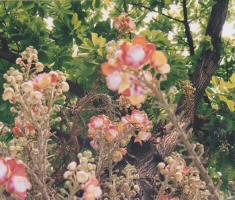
161,165
82,177
67,175
65,86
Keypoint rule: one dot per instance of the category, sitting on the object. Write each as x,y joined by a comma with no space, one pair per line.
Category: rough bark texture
210,58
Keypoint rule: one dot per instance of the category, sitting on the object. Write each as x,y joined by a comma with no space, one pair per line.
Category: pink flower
13,176
42,81
92,189
111,133
4,171
124,23
137,54
55,77
99,122
143,137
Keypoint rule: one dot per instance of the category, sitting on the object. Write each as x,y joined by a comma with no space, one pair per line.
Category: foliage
80,42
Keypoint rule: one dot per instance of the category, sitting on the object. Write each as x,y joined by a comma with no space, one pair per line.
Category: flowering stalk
33,95
182,133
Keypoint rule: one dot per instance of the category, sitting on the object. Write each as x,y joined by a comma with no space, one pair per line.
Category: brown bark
209,59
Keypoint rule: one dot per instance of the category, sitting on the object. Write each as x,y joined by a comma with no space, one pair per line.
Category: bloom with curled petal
163,69
157,59
136,94
108,68
137,54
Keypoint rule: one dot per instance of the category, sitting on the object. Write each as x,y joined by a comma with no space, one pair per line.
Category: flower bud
27,86
65,86
67,175
72,166
8,94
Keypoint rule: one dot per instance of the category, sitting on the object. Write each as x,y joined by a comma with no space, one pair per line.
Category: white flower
20,183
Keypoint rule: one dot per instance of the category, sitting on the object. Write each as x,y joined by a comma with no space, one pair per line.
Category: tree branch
152,10
187,29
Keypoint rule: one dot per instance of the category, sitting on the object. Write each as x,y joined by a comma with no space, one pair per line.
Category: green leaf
75,21
215,80
99,41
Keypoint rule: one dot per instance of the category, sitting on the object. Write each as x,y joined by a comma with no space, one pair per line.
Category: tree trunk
208,63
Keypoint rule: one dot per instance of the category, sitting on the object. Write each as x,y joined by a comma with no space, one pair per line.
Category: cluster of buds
82,176
175,168
123,186
13,177
183,178
105,132
17,146
35,92
124,23
125,72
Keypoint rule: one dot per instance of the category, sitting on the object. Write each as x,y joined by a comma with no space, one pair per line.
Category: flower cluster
13,177
176,168
123,186
124,23
82,176
34,91
105,132
182,178
125,70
